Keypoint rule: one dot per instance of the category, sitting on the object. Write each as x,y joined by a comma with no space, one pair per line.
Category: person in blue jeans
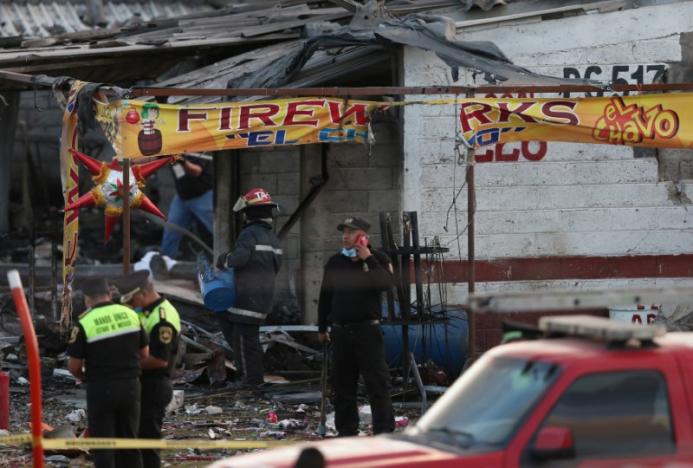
193,202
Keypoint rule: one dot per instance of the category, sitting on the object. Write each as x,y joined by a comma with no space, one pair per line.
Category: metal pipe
419,383
405,302
47,81
403,90
32,265
413,216
314,191
34,364
471,272
386,241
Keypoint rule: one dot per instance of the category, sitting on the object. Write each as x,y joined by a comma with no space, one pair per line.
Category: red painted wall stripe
559,268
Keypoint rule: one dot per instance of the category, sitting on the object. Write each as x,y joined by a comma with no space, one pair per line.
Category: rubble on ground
206,403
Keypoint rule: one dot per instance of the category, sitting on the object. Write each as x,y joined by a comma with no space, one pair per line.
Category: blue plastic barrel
218,288
443,340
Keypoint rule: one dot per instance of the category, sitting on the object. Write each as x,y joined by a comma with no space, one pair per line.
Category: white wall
578,200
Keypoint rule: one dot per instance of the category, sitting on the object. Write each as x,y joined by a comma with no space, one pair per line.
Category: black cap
354,223
130,284
93,287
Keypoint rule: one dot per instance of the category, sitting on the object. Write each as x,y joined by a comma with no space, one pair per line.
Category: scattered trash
4,432
22,381
365,415
213,410
291,424
76,415
193,409
301,408
211,433
299,397
273,434
64,374
401,421
176,402
329,422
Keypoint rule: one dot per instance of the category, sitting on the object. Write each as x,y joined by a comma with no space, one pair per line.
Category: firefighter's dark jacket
256,259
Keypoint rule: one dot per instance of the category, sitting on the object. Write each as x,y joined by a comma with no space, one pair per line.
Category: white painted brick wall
579,199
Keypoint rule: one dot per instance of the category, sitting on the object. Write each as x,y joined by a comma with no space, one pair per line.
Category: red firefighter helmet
254,197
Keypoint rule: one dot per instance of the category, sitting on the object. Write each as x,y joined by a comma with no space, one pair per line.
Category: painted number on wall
617,74
513,152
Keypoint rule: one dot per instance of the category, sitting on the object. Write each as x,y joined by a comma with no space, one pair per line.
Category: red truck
592,393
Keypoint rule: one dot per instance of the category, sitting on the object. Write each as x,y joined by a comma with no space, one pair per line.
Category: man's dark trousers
244,338
113,410
358,348
156,394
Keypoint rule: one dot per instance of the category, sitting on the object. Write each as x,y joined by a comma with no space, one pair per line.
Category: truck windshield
489,401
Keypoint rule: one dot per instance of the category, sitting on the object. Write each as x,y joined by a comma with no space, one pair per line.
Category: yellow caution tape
117,443
16,439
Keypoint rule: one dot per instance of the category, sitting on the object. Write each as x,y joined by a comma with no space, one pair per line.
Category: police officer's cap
354,223
130,284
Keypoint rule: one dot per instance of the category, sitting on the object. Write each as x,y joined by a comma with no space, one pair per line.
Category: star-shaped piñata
109,190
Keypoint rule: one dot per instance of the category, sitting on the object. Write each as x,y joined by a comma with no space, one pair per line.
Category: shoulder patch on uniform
165,334
73,335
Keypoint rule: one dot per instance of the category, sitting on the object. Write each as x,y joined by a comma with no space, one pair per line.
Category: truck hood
381,451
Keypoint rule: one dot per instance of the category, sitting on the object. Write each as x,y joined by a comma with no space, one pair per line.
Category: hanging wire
460,159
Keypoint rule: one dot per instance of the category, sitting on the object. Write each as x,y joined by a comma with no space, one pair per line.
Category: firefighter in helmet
255,259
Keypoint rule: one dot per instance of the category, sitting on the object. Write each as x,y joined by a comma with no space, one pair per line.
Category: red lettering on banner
265,117
506,111
631,124
225,118
72,196
358,110
186,115
293,110
636,319
554,114
474,111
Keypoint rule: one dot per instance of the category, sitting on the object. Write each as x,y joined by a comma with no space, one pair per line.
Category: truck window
616,413
484,407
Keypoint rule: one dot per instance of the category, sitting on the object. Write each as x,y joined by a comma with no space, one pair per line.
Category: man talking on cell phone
350,301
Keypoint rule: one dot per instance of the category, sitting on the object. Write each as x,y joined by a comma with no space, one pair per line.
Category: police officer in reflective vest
256,259
162,323
105,349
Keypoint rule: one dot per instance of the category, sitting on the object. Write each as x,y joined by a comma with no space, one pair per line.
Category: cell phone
362,240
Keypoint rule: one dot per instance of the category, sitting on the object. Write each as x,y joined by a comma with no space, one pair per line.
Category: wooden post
8,126
126,216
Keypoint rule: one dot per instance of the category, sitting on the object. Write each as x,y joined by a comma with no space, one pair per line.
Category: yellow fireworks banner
70,182
651,120
139,128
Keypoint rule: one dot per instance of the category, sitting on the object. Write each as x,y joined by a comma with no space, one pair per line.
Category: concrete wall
362,182
278,171
578,200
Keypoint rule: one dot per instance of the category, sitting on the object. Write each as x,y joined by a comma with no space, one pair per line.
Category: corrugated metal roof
45,19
